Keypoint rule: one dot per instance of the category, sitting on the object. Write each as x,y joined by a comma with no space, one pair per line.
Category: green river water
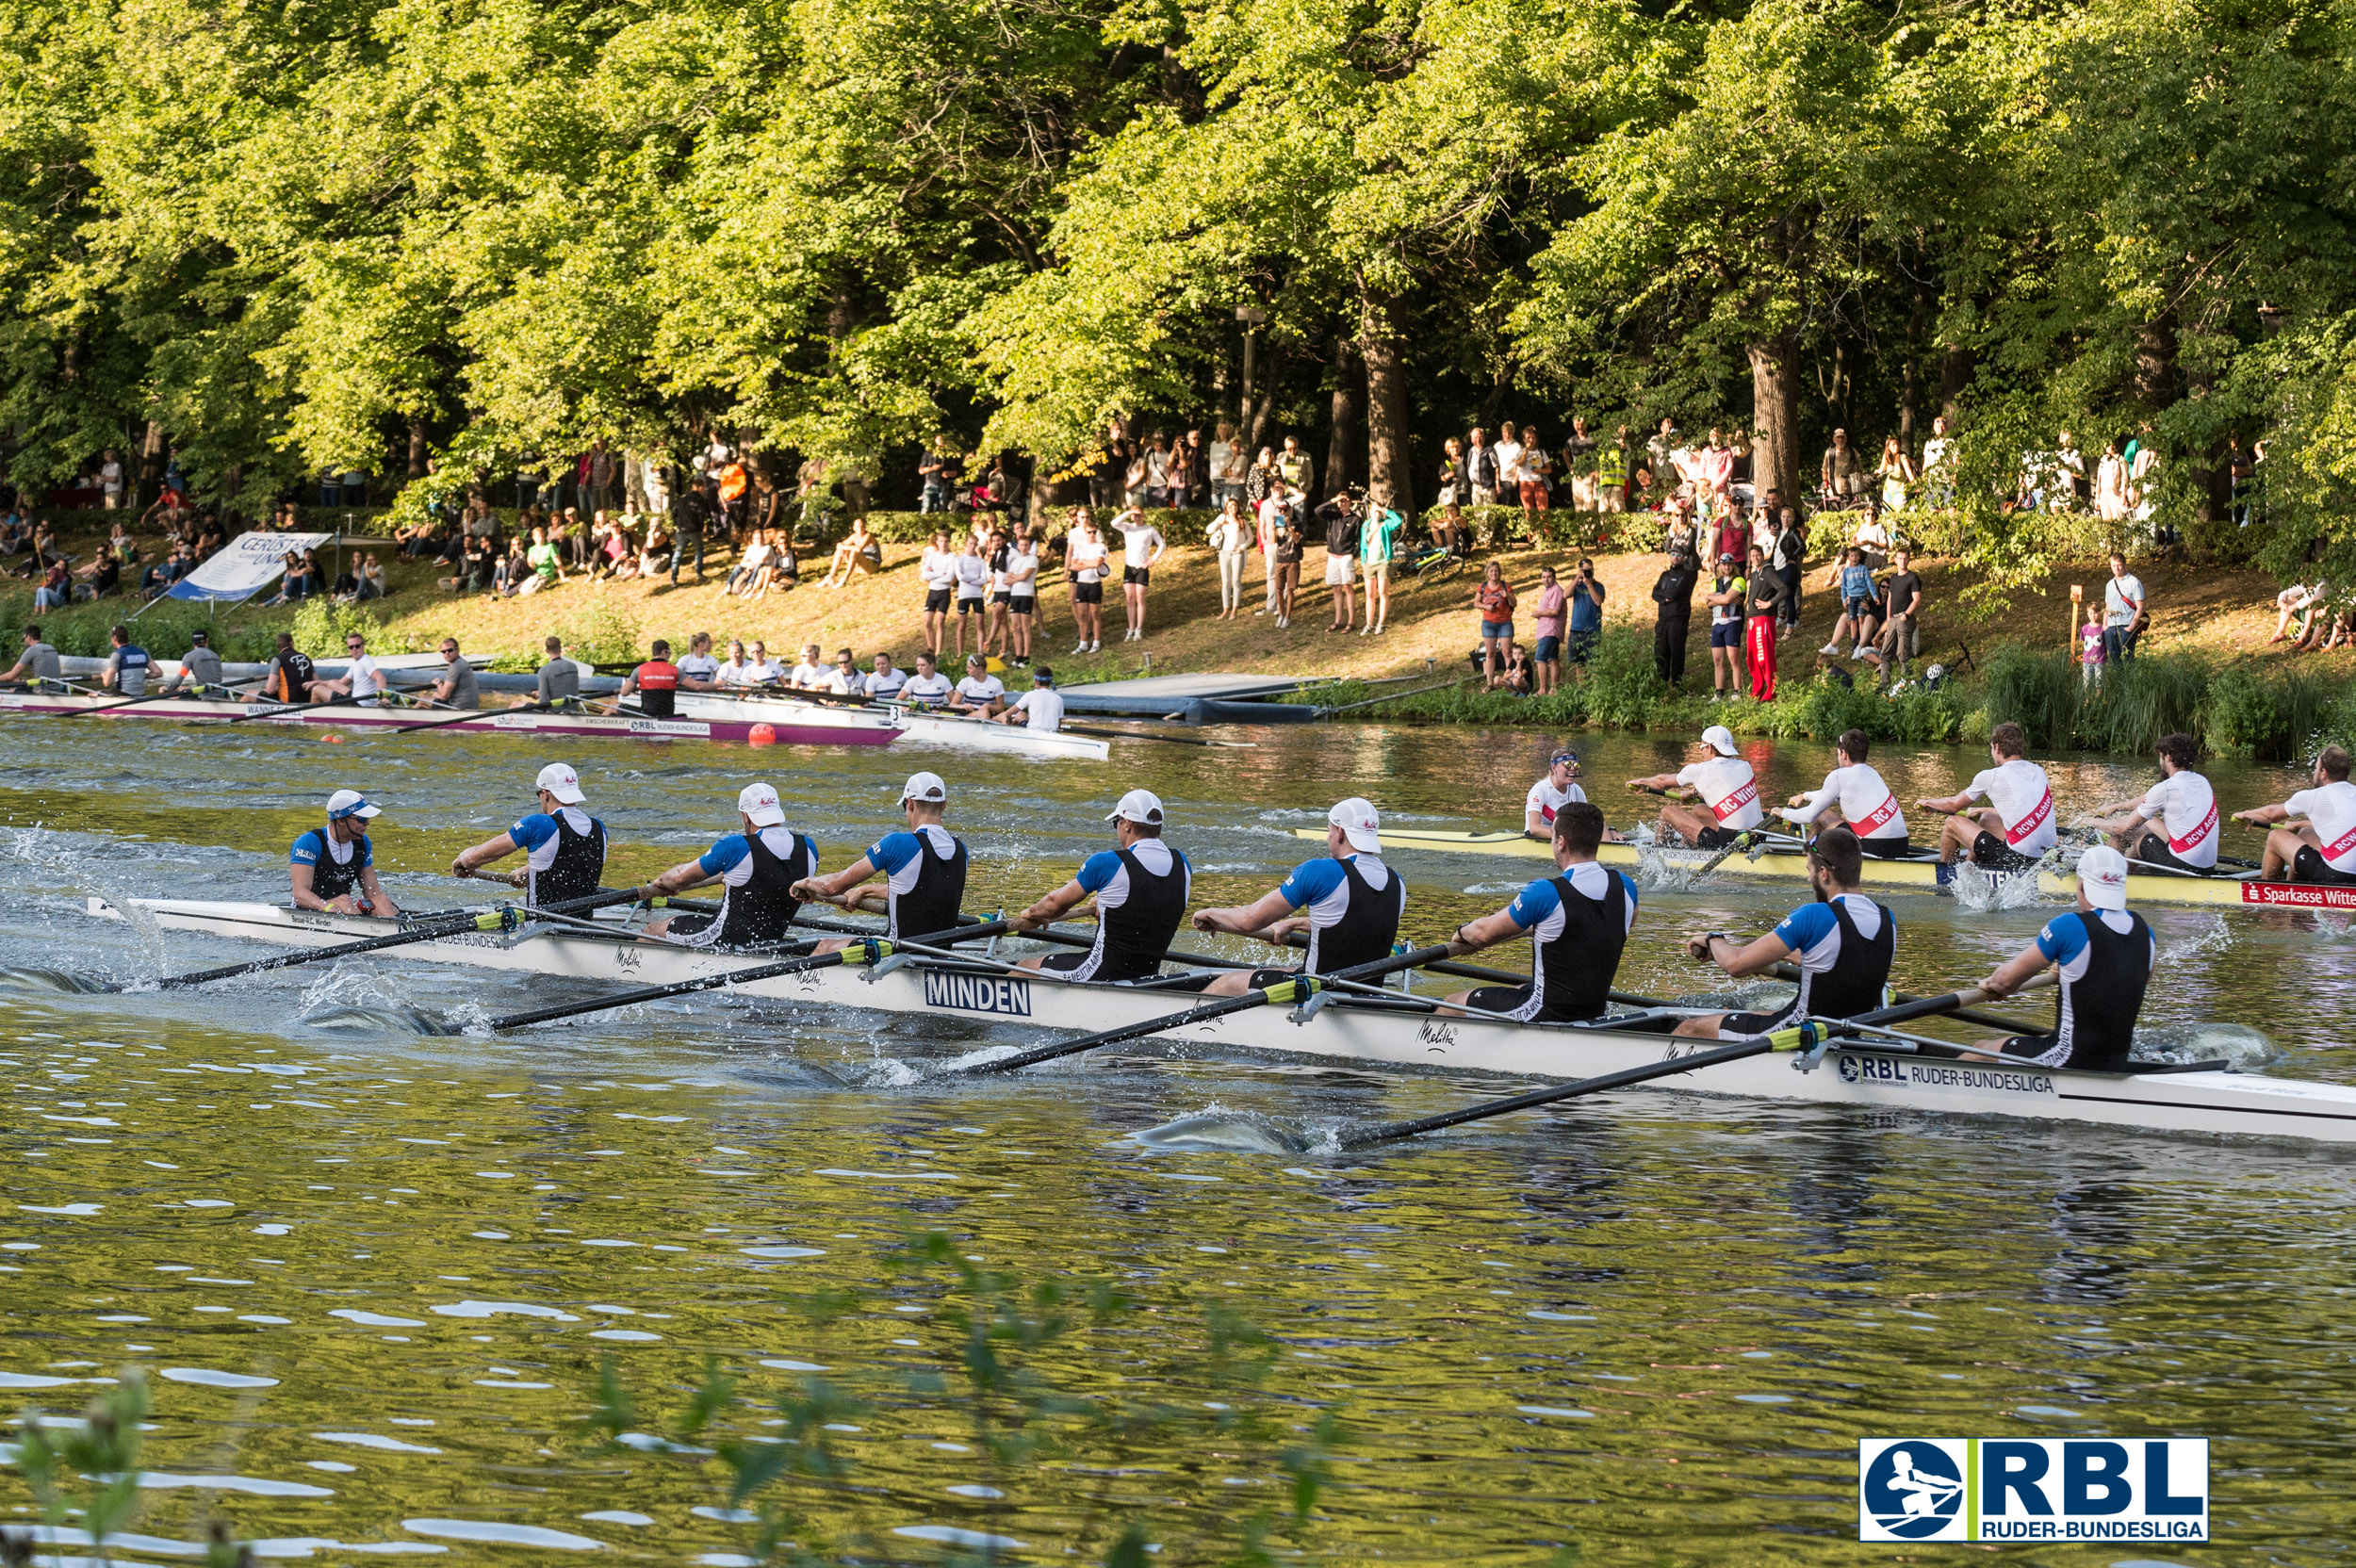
372,1277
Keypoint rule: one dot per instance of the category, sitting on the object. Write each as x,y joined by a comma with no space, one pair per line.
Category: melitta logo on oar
2033,1489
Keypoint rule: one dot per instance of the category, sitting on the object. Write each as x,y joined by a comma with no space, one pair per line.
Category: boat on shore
2231,888
1393,1030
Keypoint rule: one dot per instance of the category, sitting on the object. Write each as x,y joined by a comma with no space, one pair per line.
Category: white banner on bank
246,566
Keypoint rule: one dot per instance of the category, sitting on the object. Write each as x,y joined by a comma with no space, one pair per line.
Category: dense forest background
280,237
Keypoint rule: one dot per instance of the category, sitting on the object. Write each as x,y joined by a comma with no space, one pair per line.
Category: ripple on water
376,1319
502,1308
258,1486
497,1534
950,1535
211,1379
372,1440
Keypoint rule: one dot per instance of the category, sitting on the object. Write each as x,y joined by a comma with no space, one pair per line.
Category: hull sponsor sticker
978,993
2033,1489
2297,895
1906,1072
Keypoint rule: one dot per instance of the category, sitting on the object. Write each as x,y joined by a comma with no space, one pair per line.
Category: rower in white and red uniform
1560,788
2323,848
2018,825
1725,784
1854,795
2181,804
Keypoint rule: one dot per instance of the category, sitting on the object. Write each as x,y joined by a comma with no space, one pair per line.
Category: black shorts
1511,1000
2031,1045
1138,575
1716,837
936,601
1991,853
2309,866
1262,979
2152,850
1736,1026
971,607
1002,598
1021,604
1087,593
1884,849
687,926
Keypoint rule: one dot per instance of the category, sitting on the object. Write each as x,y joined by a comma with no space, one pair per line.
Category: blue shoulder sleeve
1805,926
2064,937
724,853
1628,884
1534,903
307,850
892,851
1312,880
533,830
1098,869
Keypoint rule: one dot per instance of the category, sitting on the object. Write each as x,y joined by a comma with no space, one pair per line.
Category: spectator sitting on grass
2301,600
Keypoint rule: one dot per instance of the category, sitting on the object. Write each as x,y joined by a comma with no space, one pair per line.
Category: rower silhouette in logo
1913,1490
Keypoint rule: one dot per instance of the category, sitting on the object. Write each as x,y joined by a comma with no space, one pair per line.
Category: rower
327,863
1560,788
127,666
563,845
557,682
928,687
924,869
360,681
36,666
2018,825
1724,783
2104,952
1140,886
1040,709
1853,793
654,683
885,681
200,668
759,867
2183,803
1843,942
980,693
456,688
288,676
2323,848
1352,901
1577,922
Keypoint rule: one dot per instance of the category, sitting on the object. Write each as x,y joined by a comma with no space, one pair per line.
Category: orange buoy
333,740
762,735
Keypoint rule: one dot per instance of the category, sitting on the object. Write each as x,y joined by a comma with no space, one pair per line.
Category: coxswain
1558,789
2183,805
199,672
456,687
1040,709
2322,848
1854,795
654,683
1351,901
1577,921
563,845
922,867
127,665
1721,780
1140,887
2104,952
288,676
361,680
758,868
1843,942
2017,827
327,863
36,666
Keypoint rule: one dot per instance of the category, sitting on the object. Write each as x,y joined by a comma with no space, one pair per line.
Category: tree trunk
842,320
416,449
1263,400
1348,438
1493,401
1956,367
2155,364
1910,395
151,467
1775,399
1387,460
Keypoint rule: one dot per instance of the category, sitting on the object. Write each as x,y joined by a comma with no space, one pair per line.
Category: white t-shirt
1044,705
1728,788
973,577
110,476
2121,597
1138,545
925,688
2184,805
756,556
736,672
886,684
1020,577
1223,459
809,675
2331,808
987,688
936,568
1227,535
2025,802
1509,462
1087,559
1934,453
766,672
699,666
1866,803
365,682
1271,513
1546,800
845,685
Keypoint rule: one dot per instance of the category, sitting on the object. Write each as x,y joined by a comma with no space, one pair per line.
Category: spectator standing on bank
1896,472
1341,559
1734,532
1142,545
1672,591
1611,474
1289,549
1550,610
1790,554
1269,512
1537,480
1481,468
1301,474
1085,558
1901,595
1494,600
1586,612
1378,546
1455,485
2090,650
937,574
2110,485
1229,539
1938,472
1579,465
1762,607
1725,599
2123,612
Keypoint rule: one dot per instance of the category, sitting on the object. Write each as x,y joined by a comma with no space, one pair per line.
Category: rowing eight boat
1392,1031
1915,875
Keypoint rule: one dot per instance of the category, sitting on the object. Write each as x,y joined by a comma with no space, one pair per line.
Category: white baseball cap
349,803
2102,872
559,779
1139,806
1719,738
1356,818
924,786
760,803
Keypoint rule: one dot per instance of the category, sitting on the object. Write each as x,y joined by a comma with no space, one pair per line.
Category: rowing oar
503,918
1166,740
1799,1036
870,950
1962,1015
118,707
466,714
280,709
1293,988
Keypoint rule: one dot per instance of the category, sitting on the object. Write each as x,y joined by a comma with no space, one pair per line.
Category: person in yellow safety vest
1612,472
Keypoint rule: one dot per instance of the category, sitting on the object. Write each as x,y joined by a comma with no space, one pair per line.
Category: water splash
2237,1045
357,998
1981,892
1669,870
31,979
1215,1127
2216,938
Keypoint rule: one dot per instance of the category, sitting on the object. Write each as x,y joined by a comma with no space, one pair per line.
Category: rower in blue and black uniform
923,869
2104,952
1843,942
563,845
127,666
1352,901
1140,889
759,867
328,863
1577,924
